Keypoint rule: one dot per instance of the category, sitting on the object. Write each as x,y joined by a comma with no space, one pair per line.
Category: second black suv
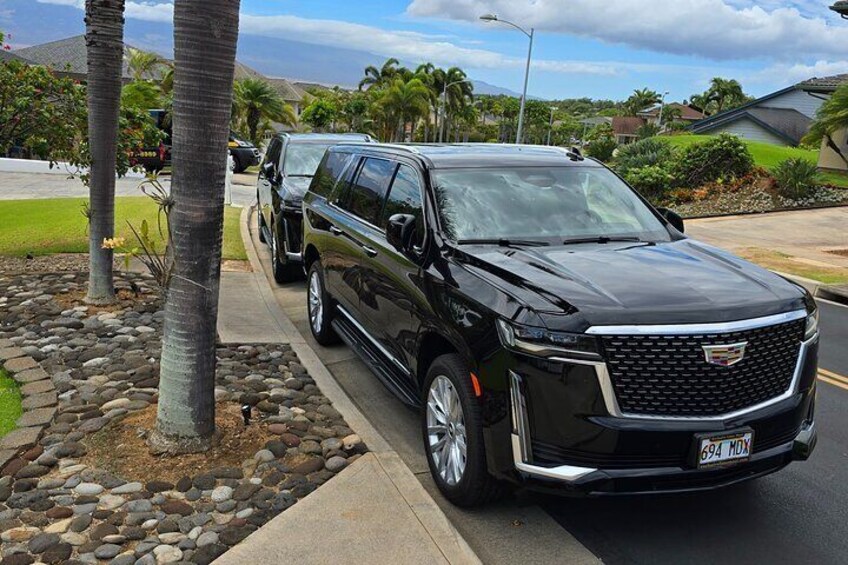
286,171
557,330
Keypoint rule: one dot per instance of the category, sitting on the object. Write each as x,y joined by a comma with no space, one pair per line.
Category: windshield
545,203
302,159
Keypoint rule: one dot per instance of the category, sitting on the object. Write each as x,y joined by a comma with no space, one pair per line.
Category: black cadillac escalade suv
556,330
285,174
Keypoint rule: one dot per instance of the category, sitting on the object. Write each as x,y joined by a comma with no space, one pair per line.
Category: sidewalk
375,510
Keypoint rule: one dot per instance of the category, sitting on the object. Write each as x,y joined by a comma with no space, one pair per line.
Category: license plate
725,449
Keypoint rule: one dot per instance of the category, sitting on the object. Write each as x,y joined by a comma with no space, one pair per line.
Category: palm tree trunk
104,39
205,35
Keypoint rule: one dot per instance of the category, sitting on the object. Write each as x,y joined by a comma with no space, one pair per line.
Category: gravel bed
755,199
57,506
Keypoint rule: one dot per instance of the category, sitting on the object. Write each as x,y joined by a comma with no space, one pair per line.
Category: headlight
545,343
241,143
812,325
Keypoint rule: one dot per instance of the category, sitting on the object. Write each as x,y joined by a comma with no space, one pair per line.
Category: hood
575,286
296,187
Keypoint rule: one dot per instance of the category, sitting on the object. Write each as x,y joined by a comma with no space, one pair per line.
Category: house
679,113
829,156
780,118
68,57
625,128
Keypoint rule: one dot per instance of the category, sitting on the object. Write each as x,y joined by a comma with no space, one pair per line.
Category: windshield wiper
301,176
503,242
600,239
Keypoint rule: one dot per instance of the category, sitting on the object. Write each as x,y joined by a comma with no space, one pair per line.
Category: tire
284,271
237,168
319,320
474,485
260,222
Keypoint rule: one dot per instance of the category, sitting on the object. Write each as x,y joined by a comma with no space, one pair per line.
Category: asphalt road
799,515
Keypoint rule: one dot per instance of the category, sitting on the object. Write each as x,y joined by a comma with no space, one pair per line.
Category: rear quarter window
329,172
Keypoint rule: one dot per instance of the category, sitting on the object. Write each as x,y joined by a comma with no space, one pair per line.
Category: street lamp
841,8
551,125
445,106
494,18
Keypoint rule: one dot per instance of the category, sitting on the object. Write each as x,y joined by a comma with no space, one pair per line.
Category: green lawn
10,403
56,225
766,155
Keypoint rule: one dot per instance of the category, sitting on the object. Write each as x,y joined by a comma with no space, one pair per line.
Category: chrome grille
668,375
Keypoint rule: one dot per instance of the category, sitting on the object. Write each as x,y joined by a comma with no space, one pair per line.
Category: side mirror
268,169
400,230
673,218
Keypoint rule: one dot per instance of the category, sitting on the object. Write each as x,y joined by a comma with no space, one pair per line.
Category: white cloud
716,29
784,74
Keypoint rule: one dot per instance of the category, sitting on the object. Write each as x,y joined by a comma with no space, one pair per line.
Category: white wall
748,129
828,158
43,167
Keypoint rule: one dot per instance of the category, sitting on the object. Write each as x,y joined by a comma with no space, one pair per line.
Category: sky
582,47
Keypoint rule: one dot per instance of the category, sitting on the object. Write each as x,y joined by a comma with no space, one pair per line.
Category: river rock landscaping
78,485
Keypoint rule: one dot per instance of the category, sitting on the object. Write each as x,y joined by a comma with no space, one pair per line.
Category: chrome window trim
376,344
520,441
689,329
611,401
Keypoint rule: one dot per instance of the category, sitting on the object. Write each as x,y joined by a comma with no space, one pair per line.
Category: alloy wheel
446,436
316,304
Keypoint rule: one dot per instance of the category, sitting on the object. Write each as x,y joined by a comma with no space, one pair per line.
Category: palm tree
255,99
104,39
460,93
639,100
725,94
205,35
425,73
831,118
379,77
406,102
144,64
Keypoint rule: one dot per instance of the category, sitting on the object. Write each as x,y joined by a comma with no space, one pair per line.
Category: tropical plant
653,182
143,65
640,100
320,114
601,142
255,101
404,102
644,153
141,94
831,118
379,77
722,94
354,112
104,39
795,177
646,131
722,157
203,89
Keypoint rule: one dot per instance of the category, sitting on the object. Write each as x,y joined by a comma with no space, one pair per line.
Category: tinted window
368,191
329,171
405,198
273,153
302,158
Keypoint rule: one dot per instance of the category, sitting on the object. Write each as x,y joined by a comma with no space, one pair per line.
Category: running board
391,377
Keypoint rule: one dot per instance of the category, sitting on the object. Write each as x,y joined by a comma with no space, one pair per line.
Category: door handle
371,252
335,231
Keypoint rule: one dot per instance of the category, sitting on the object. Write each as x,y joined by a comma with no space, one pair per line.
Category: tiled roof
287,90
823,83
686,112
626,125
792,124
65,55
9,56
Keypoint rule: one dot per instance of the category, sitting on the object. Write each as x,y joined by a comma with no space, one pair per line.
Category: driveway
806,234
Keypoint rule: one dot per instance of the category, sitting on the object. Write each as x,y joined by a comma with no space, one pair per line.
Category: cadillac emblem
724,355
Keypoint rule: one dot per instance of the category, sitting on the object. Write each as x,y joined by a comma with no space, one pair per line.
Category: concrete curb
819,289
449,541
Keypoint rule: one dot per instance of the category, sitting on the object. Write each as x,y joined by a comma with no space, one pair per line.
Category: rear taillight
162,152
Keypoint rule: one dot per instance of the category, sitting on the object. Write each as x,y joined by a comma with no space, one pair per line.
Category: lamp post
551,125
445,106
530,34
662,107
841,8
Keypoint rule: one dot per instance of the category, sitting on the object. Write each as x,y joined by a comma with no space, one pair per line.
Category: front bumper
564,438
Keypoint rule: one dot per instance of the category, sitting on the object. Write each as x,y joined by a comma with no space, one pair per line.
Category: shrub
653,182
602,148
644,153
796,177
722,157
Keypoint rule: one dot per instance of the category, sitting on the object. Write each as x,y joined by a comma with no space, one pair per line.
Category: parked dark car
557,331
285,174
156,158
